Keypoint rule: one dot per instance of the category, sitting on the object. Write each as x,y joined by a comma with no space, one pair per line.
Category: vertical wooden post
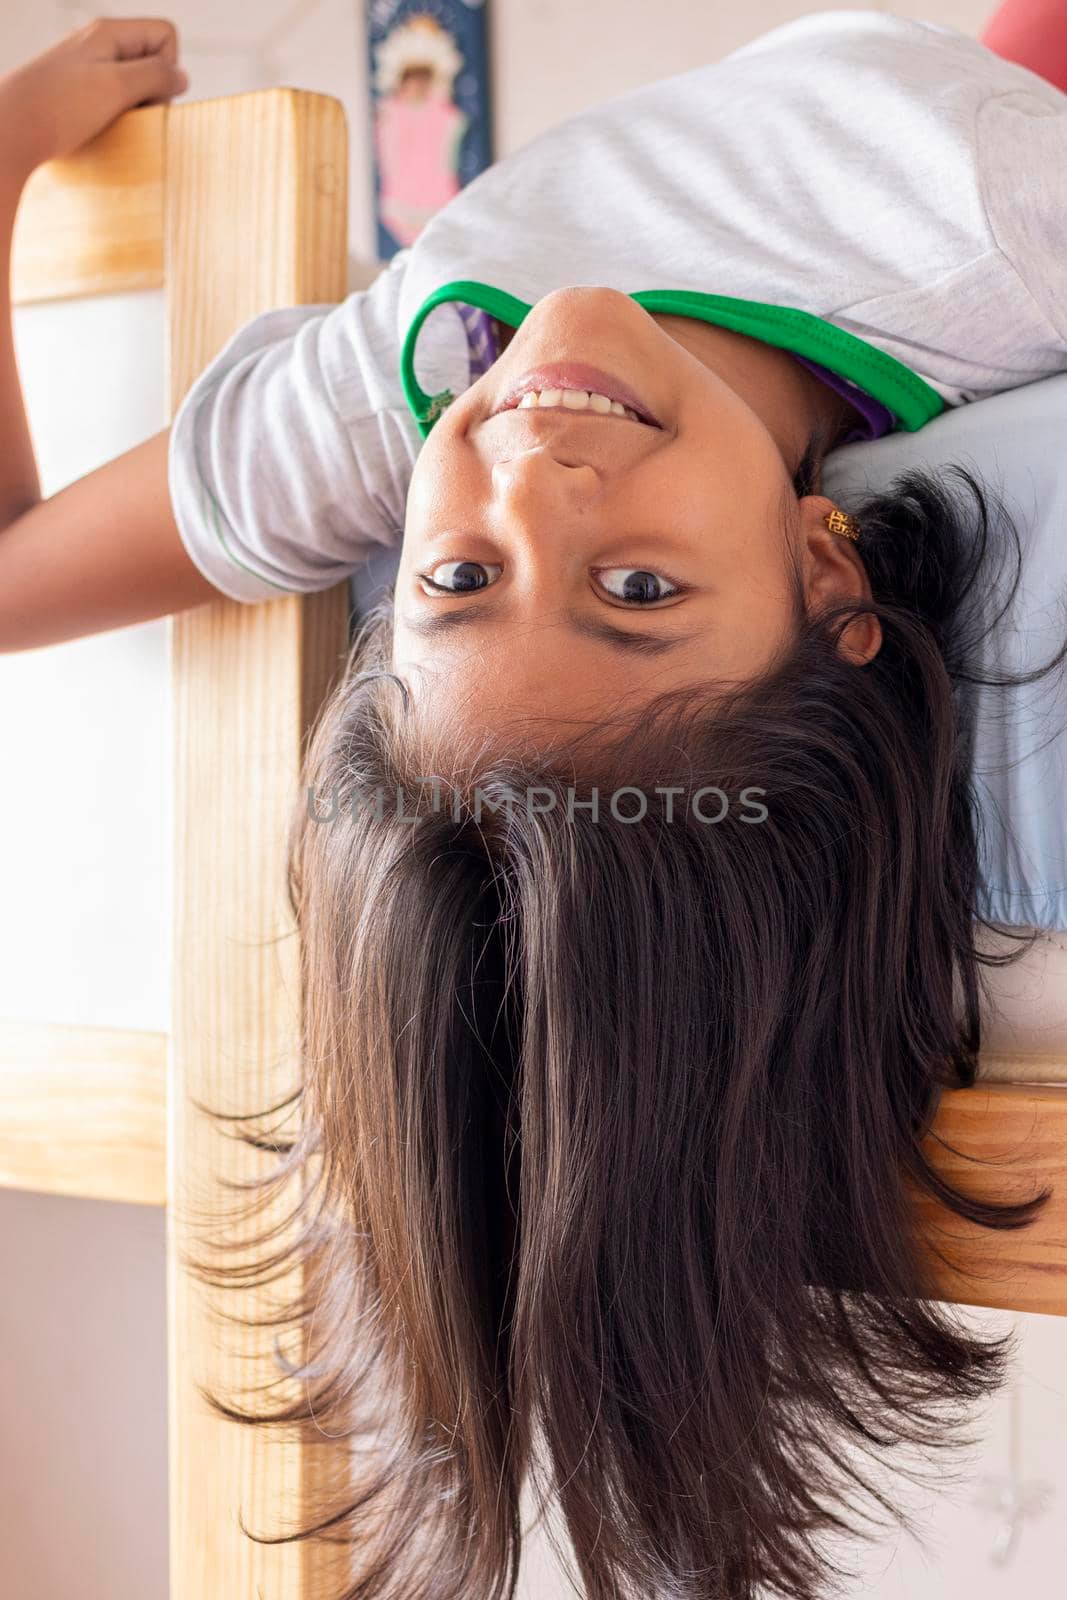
255,217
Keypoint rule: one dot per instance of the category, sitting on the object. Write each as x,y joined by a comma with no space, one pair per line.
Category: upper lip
576,375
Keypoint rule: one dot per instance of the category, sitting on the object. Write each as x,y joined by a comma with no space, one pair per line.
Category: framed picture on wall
430,109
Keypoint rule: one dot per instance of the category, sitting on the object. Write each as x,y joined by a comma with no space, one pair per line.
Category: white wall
84,939
83,1401
82,1408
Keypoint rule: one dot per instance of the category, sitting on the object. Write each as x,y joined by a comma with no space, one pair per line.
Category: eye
635,585
460,577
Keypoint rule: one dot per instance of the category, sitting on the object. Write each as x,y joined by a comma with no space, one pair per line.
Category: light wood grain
255,218
83,1111
93,224
1001,1142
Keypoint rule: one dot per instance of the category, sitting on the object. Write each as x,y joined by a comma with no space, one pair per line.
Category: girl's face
554,514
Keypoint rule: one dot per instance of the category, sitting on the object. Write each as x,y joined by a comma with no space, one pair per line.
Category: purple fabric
877,418
483,343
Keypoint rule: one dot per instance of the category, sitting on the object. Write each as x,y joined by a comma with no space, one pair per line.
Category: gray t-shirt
896,179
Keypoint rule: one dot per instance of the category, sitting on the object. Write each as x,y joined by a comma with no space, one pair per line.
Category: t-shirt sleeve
1022,153
290,456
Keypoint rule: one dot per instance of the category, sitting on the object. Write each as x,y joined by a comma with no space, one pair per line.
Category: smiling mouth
579,390
574,403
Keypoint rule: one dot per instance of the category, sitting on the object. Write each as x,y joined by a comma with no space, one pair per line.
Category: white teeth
576,400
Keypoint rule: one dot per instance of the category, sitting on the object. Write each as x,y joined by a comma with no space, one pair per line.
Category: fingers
149,79
145,53
131,38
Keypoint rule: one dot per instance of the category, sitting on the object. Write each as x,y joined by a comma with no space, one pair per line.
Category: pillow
1012,442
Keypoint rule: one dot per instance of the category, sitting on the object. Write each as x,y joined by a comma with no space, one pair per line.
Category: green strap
505,307
912,401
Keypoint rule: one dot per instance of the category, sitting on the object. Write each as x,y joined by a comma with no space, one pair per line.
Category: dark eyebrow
626,639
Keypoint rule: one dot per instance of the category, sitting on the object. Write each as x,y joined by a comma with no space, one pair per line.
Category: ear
833,572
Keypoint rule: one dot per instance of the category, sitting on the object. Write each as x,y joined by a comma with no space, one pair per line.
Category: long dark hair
610,1126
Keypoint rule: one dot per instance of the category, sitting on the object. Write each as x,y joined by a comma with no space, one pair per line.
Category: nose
544,484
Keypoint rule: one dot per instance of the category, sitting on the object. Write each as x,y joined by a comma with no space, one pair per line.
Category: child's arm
105,551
